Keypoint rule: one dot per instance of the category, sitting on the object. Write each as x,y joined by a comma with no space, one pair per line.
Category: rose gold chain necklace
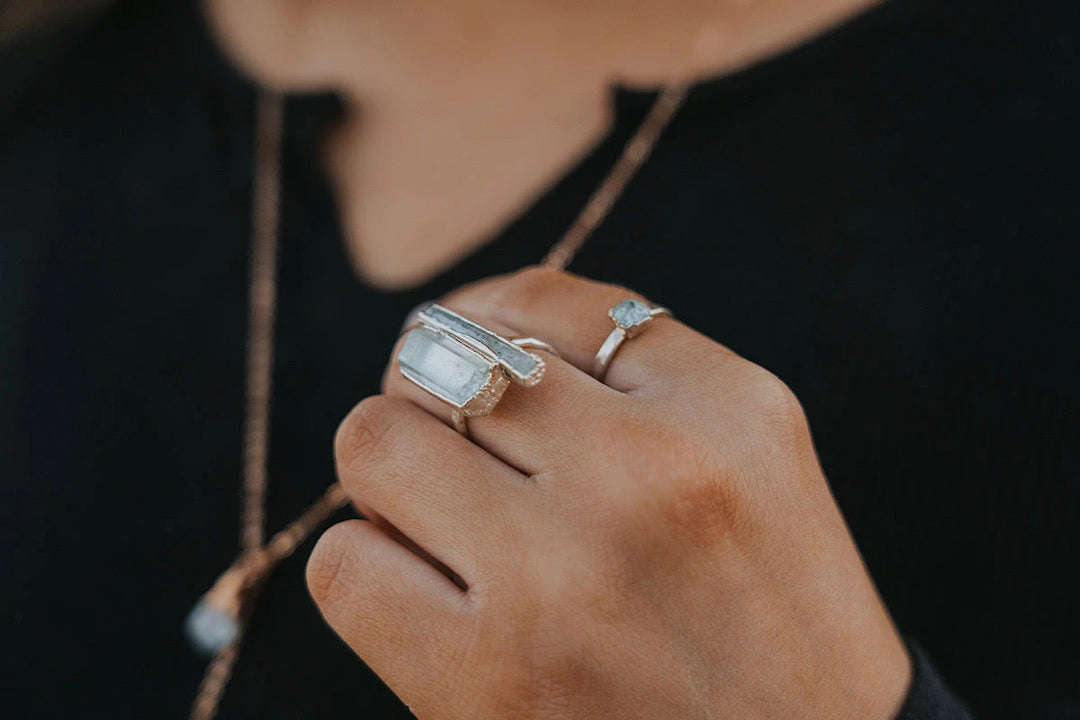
218,622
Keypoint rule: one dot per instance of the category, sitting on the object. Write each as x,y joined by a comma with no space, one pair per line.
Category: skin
458,113
661,545
664,545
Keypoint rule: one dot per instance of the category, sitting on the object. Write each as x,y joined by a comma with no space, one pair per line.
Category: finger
455,501
571,313
534,429
400,615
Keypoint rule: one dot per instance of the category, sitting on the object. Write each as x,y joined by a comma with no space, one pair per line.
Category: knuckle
536,275
779,411
501,297
472,293
330,572
529,286
367,432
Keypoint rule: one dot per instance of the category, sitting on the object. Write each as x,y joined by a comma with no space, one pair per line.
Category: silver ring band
630,318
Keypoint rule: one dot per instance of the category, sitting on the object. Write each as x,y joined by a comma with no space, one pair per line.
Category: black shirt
885,217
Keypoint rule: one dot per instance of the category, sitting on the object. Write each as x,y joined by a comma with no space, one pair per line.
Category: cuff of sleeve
929,698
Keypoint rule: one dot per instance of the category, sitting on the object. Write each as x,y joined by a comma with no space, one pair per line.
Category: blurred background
890,212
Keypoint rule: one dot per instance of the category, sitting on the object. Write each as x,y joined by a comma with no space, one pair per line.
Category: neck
422,179
460,115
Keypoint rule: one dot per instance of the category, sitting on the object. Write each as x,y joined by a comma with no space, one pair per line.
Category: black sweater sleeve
929,698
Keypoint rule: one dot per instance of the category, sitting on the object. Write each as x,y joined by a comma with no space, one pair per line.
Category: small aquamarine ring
466,365
630,318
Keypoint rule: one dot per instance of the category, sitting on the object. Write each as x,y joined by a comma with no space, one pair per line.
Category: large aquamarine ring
466,365
630,318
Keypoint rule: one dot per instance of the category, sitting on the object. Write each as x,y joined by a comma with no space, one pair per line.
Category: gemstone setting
630,314
523,367
455,372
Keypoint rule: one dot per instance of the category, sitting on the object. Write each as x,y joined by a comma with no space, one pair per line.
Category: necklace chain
634,154
236,590
262,304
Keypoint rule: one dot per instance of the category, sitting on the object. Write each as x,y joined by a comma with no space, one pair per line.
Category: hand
662,546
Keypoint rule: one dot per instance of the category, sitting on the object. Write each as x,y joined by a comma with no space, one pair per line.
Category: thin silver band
531,343
614,341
